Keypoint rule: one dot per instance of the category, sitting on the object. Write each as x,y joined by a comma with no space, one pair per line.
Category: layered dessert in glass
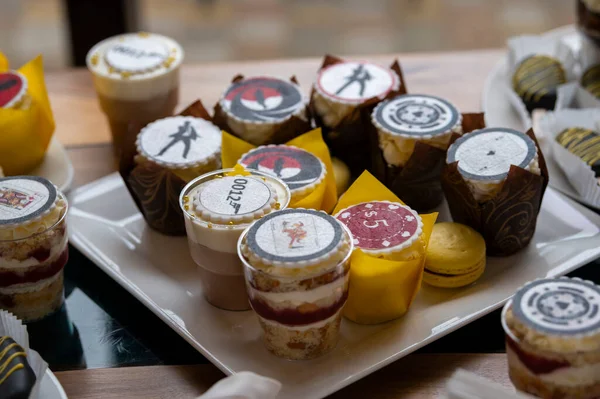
217,207
136,76
33,246
552,331
297,273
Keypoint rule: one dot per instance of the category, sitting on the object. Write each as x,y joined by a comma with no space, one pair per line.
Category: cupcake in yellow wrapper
303,164
26,120
390,242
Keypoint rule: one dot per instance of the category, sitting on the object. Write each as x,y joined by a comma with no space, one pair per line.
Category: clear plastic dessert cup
217,208
32,259
298,304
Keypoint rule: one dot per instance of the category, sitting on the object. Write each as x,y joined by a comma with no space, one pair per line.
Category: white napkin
244,385
466,385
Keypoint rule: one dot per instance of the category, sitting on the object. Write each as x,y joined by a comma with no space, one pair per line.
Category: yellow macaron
455,256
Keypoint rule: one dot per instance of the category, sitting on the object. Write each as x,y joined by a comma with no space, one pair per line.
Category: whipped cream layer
135,66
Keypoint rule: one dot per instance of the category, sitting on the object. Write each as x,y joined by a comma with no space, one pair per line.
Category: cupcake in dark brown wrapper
342,100
263,110
169,153
494,181
409,139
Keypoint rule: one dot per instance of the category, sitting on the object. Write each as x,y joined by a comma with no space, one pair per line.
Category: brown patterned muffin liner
418,183
293,127
589,22
349,140
507,221
155,189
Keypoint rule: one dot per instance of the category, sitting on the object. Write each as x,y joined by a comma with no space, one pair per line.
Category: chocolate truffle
16,376
584,143
536,79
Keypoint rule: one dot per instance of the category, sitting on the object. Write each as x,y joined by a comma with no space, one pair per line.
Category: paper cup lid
180,142
295,238
416,116
24,198
487,154
355,82
134,55
382,226
559,306
234,199
262,100
137,54
13,87
298,168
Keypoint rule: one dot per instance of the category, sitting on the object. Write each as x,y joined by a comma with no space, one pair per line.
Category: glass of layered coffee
217,207
136,77
297,269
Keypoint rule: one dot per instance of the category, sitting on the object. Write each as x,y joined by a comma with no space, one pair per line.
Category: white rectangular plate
105,225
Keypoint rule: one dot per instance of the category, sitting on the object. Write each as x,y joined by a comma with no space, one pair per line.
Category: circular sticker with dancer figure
356,82
180,140
296,167
262,99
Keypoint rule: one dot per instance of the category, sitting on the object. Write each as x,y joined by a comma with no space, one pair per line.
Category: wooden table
82,128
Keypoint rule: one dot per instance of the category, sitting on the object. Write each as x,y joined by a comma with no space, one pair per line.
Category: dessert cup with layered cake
552,331
217,207
33,246
170,152
263,110
136,77
297,264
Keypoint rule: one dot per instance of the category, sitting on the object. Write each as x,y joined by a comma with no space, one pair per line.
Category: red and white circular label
11,87
380,225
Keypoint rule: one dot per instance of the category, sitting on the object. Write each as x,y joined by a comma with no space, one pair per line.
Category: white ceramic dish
51,388
105,225
500,113
57,166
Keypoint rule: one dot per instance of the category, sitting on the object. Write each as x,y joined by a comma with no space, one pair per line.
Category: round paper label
356,81
417,115
380,225
11,88
488,153
23,198
137,54
559,306
296,167
235,195
180,140
294,235
262,99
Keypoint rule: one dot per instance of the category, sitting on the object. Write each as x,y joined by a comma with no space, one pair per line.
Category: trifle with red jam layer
33,246
297,273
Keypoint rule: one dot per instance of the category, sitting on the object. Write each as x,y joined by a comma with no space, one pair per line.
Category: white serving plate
105,225
500,113
57,166
51,388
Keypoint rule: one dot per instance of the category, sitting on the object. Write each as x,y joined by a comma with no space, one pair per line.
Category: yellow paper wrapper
323,197
381,289
26,133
